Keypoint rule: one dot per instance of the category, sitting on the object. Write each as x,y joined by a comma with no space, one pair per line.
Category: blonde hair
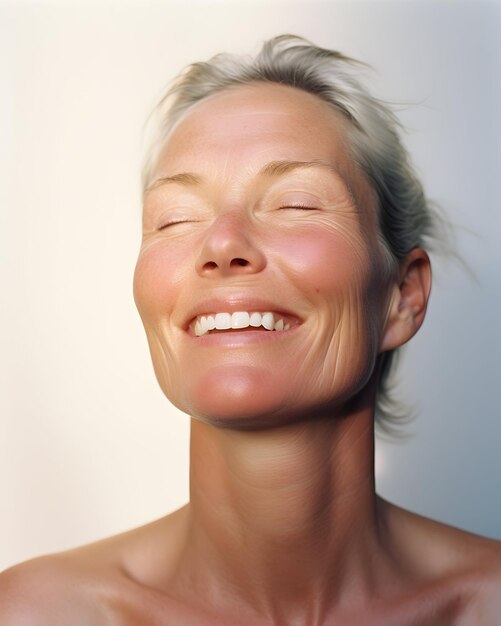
406,218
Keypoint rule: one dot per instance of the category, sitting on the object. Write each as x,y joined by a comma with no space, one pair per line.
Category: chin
246,397
243,398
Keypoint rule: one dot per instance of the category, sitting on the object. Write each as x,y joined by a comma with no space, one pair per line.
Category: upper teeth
239,319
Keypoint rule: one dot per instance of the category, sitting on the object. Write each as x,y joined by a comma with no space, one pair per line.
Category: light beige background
88,444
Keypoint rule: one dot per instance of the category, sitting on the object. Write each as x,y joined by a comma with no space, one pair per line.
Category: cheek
158,281
158,278
336,271
327,261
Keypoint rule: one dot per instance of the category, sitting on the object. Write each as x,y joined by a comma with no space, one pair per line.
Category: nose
229,248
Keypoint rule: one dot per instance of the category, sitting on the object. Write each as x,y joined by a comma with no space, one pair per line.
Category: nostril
209,266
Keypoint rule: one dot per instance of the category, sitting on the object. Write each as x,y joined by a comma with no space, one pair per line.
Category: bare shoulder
440,546
459,566
92,584
72,587
39,591
484,606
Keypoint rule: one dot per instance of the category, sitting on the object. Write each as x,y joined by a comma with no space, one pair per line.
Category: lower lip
241,338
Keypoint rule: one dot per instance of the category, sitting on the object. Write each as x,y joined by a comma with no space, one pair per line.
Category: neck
288,517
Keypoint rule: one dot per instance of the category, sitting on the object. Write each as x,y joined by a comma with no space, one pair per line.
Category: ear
408,300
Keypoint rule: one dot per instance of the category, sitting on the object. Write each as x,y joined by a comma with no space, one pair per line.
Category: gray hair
406,217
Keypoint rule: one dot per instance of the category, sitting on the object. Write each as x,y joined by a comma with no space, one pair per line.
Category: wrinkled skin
323,263
283,524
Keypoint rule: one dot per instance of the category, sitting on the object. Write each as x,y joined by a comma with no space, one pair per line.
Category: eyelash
171,223
297,206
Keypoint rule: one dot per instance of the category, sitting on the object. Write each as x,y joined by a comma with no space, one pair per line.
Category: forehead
245,126
228,137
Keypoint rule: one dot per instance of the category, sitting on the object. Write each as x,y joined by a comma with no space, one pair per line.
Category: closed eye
172,223
299,206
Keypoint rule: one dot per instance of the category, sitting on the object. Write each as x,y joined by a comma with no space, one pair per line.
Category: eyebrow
273,169
184,178
279,168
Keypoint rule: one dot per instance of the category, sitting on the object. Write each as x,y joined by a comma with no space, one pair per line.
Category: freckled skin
283,524
319,263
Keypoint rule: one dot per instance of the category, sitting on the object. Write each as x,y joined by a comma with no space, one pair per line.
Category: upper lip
237,303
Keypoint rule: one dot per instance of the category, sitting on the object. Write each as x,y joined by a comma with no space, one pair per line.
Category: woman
283,262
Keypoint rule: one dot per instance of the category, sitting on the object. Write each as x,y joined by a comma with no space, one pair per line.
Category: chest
429,611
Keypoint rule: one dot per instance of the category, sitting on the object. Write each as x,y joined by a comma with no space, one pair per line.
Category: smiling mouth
239,322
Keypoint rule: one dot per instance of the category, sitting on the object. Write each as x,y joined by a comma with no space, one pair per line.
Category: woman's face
256,206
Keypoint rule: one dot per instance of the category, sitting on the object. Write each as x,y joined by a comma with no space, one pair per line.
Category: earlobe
408,300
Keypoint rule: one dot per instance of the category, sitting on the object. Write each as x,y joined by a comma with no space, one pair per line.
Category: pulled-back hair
406,218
